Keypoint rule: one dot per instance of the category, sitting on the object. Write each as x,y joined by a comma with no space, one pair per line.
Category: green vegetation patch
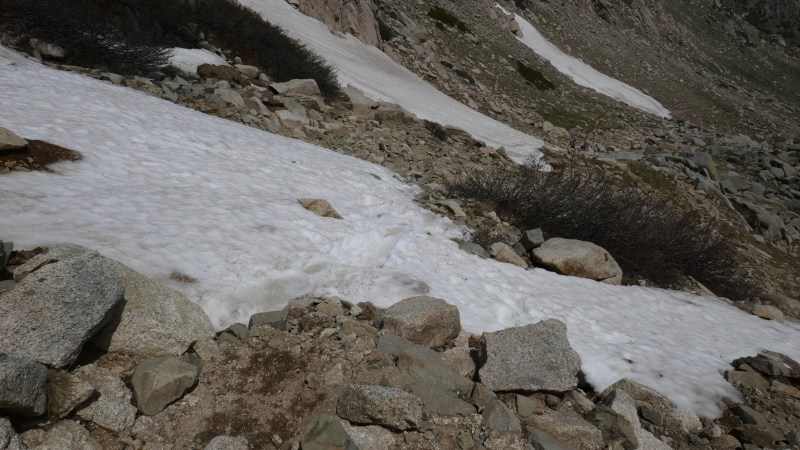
535,77
442,17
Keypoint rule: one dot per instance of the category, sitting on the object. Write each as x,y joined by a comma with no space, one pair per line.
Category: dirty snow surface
380,78
166,189
584,74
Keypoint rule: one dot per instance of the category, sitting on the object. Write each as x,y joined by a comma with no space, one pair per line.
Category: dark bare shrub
650,237
436,129
82,29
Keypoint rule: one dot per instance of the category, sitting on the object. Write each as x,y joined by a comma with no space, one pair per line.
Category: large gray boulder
578,259
427,321
378,405
158,382
23,386
112,409
67,295
674,417
10,141
155,320
530,358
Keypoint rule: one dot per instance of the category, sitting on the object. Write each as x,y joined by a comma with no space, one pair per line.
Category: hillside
243,187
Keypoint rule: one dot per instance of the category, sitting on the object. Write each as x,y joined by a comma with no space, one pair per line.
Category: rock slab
531,358
52,312
378,405
10,141
23,386
158,382
427,321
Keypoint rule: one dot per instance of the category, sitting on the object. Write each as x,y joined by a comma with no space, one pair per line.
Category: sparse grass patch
441,16
650,237
534,77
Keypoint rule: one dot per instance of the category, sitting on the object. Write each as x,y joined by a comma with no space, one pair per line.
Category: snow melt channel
166,189
584,74
382,79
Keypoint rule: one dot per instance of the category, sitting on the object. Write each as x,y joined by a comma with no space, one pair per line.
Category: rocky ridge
325,373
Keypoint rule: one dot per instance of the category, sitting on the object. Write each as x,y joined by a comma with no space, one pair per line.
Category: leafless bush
650,237
436,129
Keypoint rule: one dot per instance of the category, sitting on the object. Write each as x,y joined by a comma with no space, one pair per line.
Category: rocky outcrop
780,17
355,17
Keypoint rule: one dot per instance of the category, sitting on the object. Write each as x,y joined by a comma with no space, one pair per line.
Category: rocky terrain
142,368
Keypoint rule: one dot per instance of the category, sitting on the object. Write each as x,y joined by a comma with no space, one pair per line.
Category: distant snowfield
380,78
584,74
163,188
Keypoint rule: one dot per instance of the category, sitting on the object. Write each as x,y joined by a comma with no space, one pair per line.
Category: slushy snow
164,189
584,74
382,79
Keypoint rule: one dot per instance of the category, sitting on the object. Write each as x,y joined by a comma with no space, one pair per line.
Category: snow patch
187,59
584,74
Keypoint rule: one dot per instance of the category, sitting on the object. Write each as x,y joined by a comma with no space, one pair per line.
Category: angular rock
248,71
378,405
498,416
155,320
230,96
460,359
362,105
356,327
112,409
543,440
297,88
505,253
326,433
158,382
10,141
48,317
319,207
65,392
569,428
530,358
63,435
437,401
23,387
424,365
427,321
757,435
219,72
227,443
747,379
532,239
615,427
579,259
674,417
370,437
275,319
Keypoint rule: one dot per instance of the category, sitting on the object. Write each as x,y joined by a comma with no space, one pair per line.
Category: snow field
187,59
584,74
163,188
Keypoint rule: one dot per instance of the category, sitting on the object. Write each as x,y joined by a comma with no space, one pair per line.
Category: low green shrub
442,16
535,77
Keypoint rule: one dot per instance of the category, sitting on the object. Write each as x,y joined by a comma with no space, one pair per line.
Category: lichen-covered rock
530,358
378,405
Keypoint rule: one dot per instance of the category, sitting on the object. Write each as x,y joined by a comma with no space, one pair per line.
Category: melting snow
584,74
164,188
